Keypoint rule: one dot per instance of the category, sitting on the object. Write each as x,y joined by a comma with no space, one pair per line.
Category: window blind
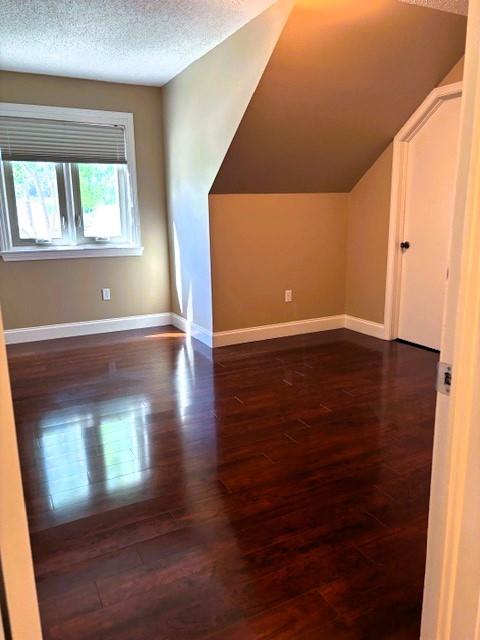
47,140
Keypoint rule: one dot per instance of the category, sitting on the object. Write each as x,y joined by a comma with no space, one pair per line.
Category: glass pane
36,197
100,199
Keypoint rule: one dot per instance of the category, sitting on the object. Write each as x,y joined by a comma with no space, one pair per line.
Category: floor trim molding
89,327
369,328
217,339
193,330
279,330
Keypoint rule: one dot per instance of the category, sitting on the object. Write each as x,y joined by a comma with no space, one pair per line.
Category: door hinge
444,378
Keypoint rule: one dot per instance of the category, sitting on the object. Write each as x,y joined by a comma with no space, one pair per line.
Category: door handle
405,245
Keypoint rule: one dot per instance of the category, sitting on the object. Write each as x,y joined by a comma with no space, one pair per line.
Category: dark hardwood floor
275,490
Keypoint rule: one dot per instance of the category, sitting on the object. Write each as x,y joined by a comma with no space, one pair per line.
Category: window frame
11,203
125,205
84,247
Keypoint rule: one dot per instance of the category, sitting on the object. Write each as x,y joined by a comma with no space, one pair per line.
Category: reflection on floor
276,490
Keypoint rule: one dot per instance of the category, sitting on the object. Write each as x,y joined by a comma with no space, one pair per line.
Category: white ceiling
453,6
134,41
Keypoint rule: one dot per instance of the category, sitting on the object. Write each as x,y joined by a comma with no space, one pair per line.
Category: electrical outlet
106,294
288,295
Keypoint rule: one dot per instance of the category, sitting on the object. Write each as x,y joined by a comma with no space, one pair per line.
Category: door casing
398,195
451,605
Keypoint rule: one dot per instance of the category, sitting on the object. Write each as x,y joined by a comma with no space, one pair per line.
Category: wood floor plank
270,491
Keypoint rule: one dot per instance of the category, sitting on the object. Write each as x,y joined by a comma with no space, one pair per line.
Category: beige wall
15,553
202,109
55,291
455,74
264,244
367,241
331,249
368,219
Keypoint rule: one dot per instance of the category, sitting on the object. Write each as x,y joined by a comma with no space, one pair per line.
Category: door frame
18,597
451,605
398,196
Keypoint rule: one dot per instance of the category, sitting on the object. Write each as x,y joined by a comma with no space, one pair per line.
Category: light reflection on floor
106,449
73,453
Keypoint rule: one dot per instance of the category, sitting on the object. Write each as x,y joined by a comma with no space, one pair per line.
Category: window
67,183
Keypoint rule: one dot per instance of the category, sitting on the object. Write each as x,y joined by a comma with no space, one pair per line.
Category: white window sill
60,253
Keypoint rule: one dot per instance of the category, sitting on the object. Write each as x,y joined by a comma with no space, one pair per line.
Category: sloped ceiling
343,79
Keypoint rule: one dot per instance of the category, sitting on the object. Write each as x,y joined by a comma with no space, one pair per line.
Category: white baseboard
193,330
89,327
217,339
369,328
280,330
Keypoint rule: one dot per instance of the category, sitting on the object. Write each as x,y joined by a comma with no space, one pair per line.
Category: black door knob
405,245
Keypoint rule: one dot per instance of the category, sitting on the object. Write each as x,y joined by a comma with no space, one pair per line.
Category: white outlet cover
106,294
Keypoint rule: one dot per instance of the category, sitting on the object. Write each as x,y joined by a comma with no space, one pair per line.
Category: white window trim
10,253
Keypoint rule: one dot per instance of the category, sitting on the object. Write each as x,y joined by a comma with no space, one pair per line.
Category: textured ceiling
344,77
454,6
135,41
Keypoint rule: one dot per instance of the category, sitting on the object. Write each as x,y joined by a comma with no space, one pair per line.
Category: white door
429,202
